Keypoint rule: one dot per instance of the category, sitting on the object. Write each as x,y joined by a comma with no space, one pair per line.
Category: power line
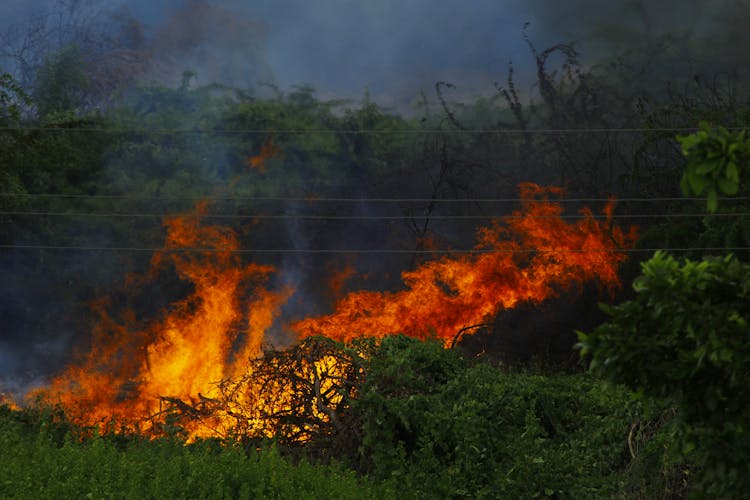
322,199
365,217
390,131
358,251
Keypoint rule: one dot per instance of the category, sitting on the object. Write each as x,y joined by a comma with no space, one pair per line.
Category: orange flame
8,401
184,355
201,346
528,257
268,150
338,279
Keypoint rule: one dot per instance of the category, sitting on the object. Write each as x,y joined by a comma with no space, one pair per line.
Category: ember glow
200,355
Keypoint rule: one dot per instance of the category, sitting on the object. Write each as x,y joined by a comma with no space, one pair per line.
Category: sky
393,48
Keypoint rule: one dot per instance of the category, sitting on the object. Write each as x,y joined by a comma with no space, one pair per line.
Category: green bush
686,338
445,427
716,159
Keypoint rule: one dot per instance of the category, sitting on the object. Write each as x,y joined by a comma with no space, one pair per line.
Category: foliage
424,420
13,99
685,337
60,85
448,428
716,158
39,464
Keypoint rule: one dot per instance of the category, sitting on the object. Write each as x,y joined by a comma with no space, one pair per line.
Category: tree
111,46
685,337
12,102
61,85
13,99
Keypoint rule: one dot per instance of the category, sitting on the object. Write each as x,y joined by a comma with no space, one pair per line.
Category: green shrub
445,427
716,160
686,338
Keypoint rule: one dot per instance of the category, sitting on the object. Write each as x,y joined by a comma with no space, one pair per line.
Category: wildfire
529,256
124,377
6,400
268,150
203,356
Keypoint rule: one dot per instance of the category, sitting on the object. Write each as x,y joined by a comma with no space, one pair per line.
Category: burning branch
297,395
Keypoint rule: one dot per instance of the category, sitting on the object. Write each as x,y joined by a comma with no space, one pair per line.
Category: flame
268,150
528,256
7,400
201,357
127,372
338,279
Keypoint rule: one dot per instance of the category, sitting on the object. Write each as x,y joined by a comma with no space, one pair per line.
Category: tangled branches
299,395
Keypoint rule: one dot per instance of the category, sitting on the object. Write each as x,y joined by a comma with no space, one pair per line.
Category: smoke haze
394,48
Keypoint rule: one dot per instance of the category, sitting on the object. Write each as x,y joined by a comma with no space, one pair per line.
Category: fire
122,379
528,256
202,357
6,400
268,150
338,279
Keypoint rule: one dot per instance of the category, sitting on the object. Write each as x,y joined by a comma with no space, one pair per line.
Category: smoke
677,38
213,41
395,49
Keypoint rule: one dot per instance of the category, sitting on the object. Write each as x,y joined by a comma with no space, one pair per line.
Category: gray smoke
395,48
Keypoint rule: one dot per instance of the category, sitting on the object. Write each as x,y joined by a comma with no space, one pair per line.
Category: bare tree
111,45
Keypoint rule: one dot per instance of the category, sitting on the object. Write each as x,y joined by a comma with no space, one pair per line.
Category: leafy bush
448,428
686,337
717,162
716,157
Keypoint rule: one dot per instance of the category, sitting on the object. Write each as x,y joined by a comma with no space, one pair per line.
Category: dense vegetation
684,338
427,423
662,412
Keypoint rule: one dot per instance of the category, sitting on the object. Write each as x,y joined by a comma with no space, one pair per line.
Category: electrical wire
365,217
358,251
298,131
322,199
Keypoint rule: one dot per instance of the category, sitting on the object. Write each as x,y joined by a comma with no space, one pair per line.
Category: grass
40,460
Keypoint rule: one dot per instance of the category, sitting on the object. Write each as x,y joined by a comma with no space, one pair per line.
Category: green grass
41,461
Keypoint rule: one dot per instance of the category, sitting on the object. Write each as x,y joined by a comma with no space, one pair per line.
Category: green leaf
727,186
688,142
732,172
704,168
684,185
687,447
713,200
697,182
